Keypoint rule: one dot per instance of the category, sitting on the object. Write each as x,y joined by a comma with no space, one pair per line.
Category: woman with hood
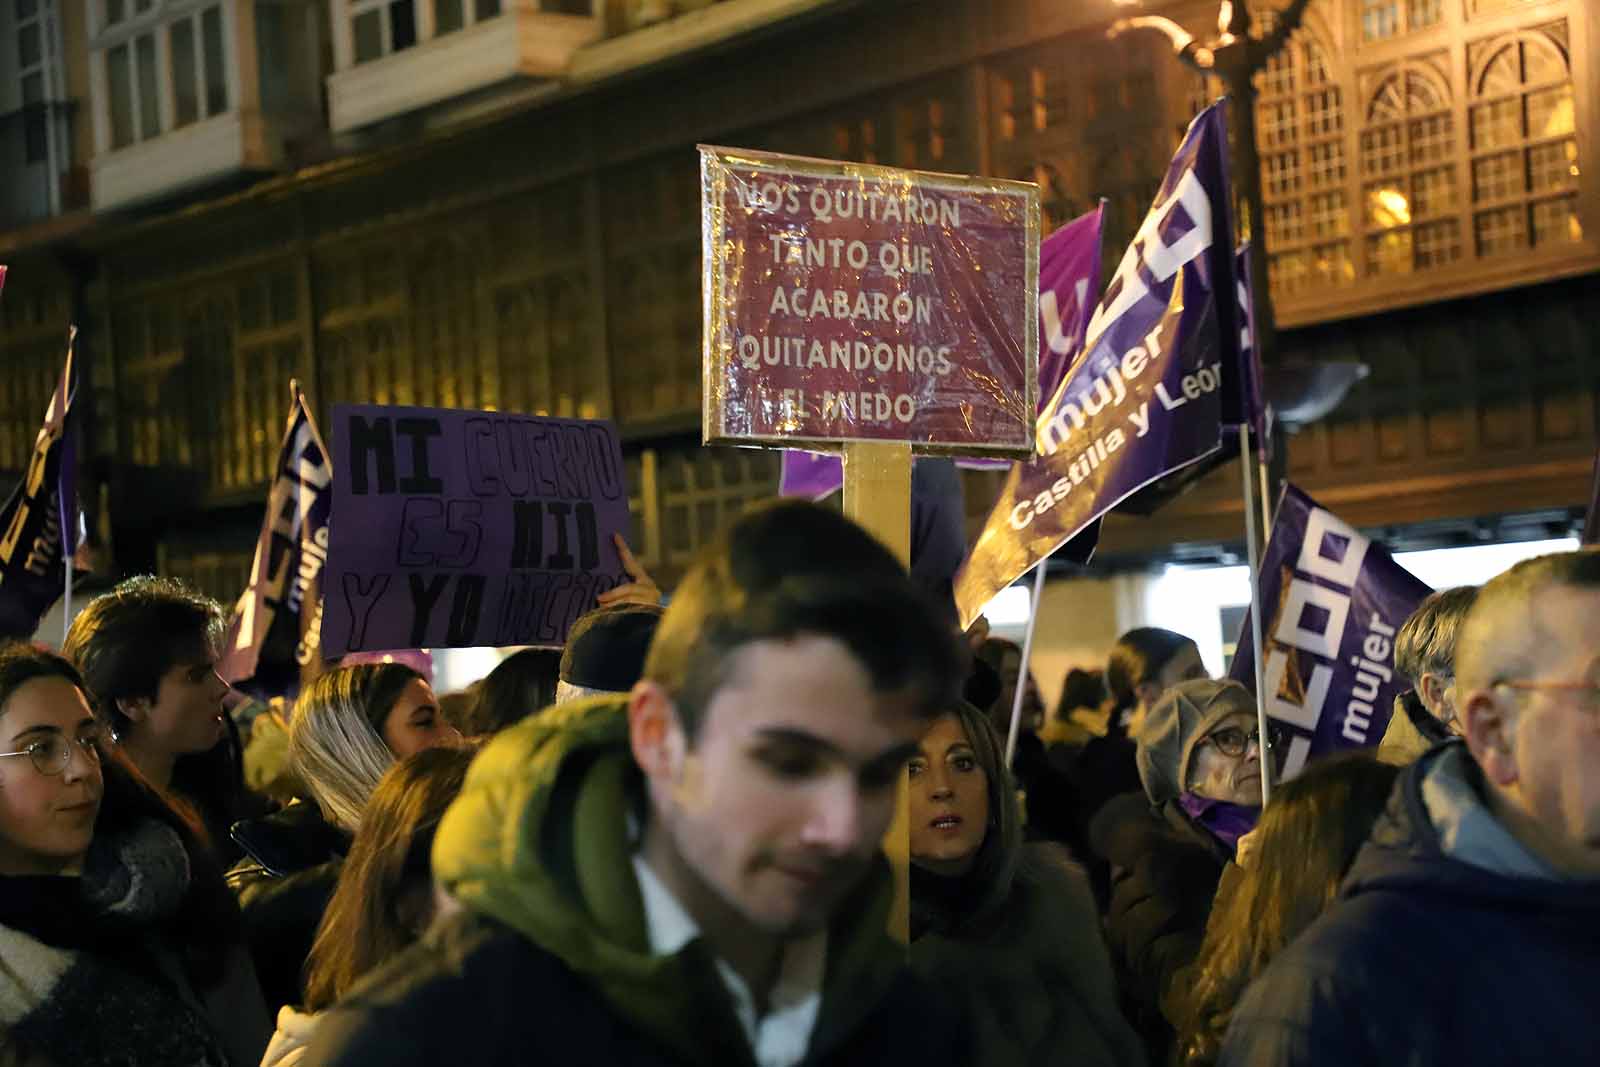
1199,759
1007,929
119,943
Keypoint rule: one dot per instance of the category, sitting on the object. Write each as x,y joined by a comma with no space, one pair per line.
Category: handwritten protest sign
465,528
854,302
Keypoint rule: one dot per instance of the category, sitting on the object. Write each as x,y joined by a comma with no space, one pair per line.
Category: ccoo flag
1145,397
1332,603
32,556
274,637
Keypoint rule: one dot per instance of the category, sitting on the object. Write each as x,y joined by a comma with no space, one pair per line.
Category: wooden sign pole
877,494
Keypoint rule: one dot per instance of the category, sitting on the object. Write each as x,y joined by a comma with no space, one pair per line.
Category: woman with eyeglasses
385,899
119,942
1199,760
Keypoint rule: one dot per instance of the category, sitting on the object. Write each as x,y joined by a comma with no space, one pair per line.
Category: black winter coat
477,992
1166,872
1429,961
291,867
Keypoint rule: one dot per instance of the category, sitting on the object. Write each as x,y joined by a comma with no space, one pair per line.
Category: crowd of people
670,842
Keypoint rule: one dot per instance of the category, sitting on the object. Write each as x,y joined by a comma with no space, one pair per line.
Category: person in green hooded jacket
691,873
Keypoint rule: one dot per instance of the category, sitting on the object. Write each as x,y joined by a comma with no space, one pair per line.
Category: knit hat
606,648
1183,716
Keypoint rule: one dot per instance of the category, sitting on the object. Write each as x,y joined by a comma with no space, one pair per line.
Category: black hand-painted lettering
415,517
465,610
360,597
421,479
423,599
374,440
588,537
606,463
561,558
482,457
527,538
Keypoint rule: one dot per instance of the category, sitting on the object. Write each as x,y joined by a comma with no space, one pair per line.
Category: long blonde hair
335,746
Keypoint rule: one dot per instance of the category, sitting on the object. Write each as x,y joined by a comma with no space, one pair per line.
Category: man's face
779,804
1010,672
186,715
1557,734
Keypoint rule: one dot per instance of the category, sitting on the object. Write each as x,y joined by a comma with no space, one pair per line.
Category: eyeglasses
1588,700
1232,741
51,753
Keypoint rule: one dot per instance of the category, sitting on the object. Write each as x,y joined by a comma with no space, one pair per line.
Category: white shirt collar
779,1038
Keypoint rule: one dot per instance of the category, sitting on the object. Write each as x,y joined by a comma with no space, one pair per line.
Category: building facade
461,203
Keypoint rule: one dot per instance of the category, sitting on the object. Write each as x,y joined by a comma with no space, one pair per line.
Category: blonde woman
348,727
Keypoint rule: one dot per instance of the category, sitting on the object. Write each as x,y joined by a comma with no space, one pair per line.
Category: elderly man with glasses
1468,929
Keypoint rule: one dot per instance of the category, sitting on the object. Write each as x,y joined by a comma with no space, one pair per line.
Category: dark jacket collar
296,838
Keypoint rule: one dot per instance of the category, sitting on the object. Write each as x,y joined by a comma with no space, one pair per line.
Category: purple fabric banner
31,554
1332,602
812,475
1246,400
1145,398
274,638
454,529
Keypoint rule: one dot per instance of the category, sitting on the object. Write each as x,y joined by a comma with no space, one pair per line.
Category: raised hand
642,588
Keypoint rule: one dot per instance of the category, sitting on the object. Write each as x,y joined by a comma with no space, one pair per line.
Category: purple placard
1332,602
455,529
1145,397
850,301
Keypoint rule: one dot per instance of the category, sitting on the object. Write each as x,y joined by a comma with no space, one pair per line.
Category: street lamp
1236,57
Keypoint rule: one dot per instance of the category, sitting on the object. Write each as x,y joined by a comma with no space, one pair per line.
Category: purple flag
1145,398
1331,604
31,554
1591,526
1245,401
274,637
812,475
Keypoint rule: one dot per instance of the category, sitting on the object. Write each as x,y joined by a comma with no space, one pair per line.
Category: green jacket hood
539,840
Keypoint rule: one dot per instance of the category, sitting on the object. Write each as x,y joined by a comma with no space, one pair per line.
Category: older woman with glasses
1199,759
119,943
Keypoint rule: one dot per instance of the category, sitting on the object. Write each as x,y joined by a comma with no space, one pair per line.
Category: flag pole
1252,539
1022,667
66,600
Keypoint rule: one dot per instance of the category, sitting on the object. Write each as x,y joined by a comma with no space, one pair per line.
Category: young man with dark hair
1468,929
691,873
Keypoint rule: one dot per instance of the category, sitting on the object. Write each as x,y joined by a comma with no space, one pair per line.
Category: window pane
402,25
486,9
368,33
26,9
119,87
447,16
1379,18
216,62
141,6
33,89
35,139
185,101
114,12
144,50
28,45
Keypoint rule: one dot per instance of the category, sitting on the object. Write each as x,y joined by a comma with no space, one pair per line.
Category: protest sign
275,636
32,560
1069,272
1145,397
467,528
848,302
1333,602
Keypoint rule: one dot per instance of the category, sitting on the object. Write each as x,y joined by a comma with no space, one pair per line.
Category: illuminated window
1408,162
1300,113
1524,147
